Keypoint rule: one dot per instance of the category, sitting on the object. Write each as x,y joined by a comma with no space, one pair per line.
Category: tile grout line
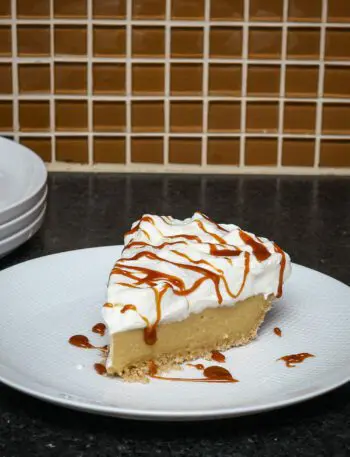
179,23
244,69
319,104
52,84
128,81
14,66
90,82
281,102
159,60
167,82
205,83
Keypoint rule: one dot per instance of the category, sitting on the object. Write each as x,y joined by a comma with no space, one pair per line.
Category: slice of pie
182,289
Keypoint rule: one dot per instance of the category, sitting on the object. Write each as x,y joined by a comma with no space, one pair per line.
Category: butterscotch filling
215,328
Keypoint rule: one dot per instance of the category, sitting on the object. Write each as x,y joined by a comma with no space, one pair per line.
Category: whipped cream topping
170,268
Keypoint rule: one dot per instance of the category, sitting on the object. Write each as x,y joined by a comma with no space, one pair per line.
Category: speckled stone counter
309,217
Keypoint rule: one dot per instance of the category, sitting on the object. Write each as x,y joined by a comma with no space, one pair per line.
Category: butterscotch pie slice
182,289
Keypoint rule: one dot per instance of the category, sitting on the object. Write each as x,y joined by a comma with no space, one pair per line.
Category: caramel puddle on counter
277,331
293,359
100,368
211,374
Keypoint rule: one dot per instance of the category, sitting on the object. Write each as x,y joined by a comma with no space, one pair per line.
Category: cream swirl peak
171,268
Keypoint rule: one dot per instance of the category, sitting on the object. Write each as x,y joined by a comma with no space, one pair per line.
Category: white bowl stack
23,193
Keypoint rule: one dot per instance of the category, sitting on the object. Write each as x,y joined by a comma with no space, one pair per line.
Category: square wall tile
305,11
147,116
226,10
185,116
299,117
335,153
34,116
5,40
266,10
263,80
336,119
5,78
34,78
5,9
71,115
70,9
41,146
109,116
6,116
262,117
225,79
301,81
186,42
109,150
109,78
147,79
148,41
189,10
337,81
298,153
337,44
224,116
223,151
109,41
338,11
147,150
303,43
225,42
148,9
72,149
33,40
70,40
107,9
261,152
185,151
265,43
186,79
28,9
70,78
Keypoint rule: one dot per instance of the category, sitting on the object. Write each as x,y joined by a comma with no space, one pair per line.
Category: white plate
21,222
49,299
9,244
22,179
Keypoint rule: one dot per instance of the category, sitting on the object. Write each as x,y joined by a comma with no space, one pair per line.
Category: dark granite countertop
309,217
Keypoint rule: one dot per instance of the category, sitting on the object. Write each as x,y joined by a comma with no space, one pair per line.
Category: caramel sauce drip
197,366
108,305
282,268
218,238
128,308
82,341
218,356
224,252
293,359
99,328
152,368
259,250
187,237
277,331
137,226
212,374
213,222
100,368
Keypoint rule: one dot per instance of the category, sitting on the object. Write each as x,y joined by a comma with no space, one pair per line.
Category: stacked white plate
23,192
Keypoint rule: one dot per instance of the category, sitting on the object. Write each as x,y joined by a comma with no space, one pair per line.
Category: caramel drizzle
100,369
277,331
218,238
152,277
292,359
213,222
82,341
218,356
211,374
282,268
259,250
99,328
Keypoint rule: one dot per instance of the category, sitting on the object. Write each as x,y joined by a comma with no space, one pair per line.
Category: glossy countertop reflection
308,216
